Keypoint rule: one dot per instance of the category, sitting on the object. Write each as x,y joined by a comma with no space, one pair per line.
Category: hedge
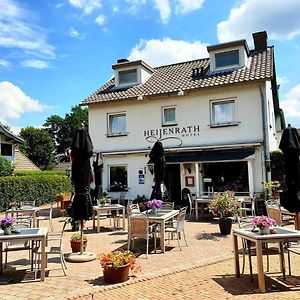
40,173
42,189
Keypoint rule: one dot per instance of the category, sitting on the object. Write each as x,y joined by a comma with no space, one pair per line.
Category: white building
222,114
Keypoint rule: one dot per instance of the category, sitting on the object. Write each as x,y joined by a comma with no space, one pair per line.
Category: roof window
228,58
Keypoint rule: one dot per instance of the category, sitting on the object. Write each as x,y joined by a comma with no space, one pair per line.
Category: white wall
193,109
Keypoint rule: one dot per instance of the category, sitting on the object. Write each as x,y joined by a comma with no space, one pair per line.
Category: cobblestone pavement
203,270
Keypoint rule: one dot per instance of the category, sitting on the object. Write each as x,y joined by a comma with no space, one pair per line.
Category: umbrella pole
81,236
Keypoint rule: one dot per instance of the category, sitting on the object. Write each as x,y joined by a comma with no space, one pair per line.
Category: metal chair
54,247
178,227
191,205
168,205
27,204
45,215
139,227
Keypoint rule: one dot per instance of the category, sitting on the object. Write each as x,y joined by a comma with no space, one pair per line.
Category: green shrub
42,189
6,167
40,173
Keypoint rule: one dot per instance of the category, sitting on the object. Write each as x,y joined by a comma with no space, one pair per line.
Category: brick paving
203,270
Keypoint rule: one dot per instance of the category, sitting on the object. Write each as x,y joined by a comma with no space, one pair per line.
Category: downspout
266,148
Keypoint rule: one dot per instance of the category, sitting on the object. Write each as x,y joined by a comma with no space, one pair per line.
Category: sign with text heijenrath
192,130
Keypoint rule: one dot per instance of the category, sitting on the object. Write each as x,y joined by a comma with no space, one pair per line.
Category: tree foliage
62,130
38,147
6,167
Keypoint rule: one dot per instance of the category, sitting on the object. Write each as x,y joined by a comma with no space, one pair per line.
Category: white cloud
186,6
279,18
18,30
100,20
86,5
4,63
291,102
164,9
135,5
73,33
14,102
167,51
35,63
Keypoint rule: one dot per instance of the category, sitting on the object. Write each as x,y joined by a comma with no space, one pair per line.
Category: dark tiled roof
175,77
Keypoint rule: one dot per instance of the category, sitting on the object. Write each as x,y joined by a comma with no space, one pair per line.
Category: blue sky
54,53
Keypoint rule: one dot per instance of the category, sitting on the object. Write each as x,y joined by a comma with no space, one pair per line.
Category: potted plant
7,224
75,241
154,205
263,223
116,265
226,206
272,190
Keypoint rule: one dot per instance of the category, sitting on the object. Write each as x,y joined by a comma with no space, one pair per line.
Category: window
127,77
117,124
228,58
6,149
117,178
169,116
223,112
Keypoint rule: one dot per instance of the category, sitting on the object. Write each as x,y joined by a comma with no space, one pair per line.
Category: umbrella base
81,257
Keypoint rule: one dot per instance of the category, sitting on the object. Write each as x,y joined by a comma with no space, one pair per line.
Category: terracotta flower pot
116,275
75,245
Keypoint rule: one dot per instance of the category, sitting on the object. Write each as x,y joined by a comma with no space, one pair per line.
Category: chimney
260,40
122,60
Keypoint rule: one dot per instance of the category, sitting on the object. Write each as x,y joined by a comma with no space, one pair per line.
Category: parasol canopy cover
290,146
82,151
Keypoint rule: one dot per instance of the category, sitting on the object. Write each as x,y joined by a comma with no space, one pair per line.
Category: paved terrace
203,270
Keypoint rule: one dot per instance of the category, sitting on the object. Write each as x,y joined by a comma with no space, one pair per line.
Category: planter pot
75,245
225,225
263,231
154,211
116,275
7,231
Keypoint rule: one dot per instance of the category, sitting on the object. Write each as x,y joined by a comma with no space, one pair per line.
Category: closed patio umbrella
290,146
81,208
157,157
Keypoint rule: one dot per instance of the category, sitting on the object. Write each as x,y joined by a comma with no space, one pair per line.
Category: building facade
216,117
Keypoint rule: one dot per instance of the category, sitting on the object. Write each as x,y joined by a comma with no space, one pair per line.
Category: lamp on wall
150,166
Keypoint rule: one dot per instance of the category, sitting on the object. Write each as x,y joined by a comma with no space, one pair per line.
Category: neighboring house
9,143
222,114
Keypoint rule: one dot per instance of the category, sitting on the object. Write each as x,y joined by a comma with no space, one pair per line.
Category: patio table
161,217
28,234
201,202
32,211
282,236
104,208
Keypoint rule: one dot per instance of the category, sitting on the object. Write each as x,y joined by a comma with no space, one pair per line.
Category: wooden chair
140,227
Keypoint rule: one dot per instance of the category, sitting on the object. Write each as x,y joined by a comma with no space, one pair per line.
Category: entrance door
172,182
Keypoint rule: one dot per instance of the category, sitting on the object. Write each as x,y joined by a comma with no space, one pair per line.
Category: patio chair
27,204
20,223
274,211
54,247
139,227
133,209
45,215
168,205
178,227
191,205
249,248
121,199
247,206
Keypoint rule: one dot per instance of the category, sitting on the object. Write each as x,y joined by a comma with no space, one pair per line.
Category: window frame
110,189
231,65
109,131
168,123
128,83
212,113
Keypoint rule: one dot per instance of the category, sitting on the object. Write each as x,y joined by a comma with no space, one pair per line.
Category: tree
39,147
62,130
6,167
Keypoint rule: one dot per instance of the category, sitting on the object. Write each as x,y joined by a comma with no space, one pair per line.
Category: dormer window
128,77
228,58
130,73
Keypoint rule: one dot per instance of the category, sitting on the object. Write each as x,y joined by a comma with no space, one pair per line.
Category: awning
210,156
